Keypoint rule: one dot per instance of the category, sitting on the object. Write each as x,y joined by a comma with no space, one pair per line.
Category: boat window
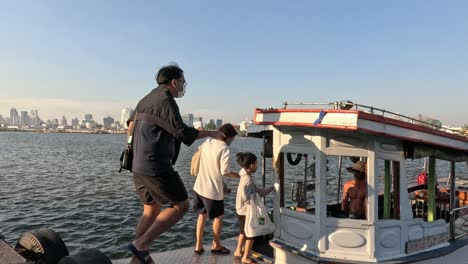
299,178
346,187
418,189
388,189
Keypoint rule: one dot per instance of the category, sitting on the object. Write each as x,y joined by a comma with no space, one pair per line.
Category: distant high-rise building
75,122
14,117
429,120
198,124
126,113
244,125
52,123
88,117
188,119
64,121
219,123
24,120
33,114
108,121
2,120
35,120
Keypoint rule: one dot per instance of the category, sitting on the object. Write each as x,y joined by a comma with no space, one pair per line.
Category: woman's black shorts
202,205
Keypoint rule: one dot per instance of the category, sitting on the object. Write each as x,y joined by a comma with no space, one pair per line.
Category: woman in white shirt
209,200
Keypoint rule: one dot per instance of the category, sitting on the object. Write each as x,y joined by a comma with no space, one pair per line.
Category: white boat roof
364,119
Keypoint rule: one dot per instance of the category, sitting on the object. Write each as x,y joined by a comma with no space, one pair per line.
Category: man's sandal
143,256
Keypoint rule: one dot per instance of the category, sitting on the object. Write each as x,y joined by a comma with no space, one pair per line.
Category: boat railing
348,105
459,222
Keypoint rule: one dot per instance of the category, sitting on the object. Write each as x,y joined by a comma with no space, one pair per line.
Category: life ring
295,161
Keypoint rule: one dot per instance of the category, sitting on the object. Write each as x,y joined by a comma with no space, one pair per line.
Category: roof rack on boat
348,105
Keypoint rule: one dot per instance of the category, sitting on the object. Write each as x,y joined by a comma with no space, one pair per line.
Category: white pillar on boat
372,198
321,192
406,212
277,195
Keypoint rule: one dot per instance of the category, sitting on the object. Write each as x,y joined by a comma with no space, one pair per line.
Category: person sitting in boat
355,192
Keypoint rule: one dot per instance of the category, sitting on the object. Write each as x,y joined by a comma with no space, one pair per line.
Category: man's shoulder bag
195,163
126,159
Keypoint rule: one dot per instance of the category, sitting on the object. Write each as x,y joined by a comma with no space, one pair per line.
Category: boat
312,144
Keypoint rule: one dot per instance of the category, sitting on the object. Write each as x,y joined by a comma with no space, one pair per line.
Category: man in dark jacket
158,134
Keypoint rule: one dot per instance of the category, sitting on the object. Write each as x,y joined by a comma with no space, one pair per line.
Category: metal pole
281,177
452,199
340,159
387,190
396,189
431,208
305,183
264,161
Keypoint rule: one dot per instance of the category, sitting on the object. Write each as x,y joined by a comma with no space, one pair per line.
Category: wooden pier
186,256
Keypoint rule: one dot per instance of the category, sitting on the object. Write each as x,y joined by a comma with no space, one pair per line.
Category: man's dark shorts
165,188
202,205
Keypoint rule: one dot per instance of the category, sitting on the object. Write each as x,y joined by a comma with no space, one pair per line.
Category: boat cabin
314,148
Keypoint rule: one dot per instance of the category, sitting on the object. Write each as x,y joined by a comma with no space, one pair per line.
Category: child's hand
271,189
226,189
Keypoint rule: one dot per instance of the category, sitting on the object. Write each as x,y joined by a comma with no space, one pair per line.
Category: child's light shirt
245,189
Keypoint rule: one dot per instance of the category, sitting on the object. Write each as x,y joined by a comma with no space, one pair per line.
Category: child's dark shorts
202,205
166,188
242,226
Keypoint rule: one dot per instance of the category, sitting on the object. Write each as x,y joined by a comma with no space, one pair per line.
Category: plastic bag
257,221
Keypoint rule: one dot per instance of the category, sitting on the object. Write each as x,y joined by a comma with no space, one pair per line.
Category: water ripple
70,183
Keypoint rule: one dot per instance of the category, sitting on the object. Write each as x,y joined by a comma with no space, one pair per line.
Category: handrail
452,223
346,105
458,209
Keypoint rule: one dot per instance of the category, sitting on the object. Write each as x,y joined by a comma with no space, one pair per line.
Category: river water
70,183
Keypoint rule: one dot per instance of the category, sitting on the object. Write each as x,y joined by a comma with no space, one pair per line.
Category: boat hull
456,252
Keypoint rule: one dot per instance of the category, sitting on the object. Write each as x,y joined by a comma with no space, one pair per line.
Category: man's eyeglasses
185,82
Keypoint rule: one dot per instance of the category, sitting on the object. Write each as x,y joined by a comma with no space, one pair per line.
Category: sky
76,57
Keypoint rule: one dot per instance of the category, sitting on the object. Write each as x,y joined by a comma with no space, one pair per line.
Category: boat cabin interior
349,189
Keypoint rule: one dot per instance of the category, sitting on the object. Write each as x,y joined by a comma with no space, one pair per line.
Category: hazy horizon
72,58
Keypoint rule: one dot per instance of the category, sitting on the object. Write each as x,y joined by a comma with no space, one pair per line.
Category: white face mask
181,93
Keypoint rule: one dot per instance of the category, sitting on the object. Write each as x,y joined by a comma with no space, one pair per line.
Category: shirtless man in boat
355,192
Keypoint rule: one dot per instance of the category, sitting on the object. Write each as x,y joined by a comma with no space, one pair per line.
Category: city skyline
16,117
406,57
76,110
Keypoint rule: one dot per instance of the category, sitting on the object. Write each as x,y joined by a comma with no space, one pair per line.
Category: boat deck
186,255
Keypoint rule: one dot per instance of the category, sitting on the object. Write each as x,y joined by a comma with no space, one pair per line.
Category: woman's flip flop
199,252
221,251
